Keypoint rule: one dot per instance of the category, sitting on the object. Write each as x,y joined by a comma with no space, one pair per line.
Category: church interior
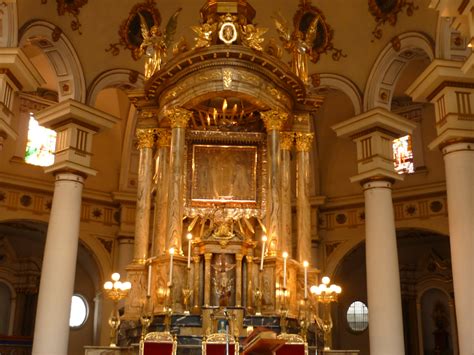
225,177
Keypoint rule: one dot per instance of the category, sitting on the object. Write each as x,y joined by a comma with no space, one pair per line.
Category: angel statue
252,36
204,34
299,44
155,43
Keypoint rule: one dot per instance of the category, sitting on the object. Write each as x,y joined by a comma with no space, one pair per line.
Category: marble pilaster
287,140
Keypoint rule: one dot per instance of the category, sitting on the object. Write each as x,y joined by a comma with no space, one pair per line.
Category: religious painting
224,173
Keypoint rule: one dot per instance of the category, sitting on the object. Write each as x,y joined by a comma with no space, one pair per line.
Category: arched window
358,316
79,311
40,145
5,308
403,155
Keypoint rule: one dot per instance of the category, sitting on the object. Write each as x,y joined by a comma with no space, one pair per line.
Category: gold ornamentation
387,11
228,32
130,37
274,119
73,8
287,140
252,36
146,138
303,141
227,78
205,34
164,137
179,117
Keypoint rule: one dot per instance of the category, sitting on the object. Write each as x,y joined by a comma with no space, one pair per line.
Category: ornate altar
215,130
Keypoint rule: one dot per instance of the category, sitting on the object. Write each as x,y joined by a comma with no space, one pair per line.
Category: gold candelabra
116,291
325,294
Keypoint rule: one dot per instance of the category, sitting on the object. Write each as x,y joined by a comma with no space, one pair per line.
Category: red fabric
150,348
218,349
291,349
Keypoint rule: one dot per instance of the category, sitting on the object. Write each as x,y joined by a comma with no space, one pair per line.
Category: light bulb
127,285
108,285
171,251
117,285
338,289
305,264
115,276
325,280
264,238
313,289
285,254
189,236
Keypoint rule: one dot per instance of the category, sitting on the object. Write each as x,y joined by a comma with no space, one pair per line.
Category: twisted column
303,211
179,119
161,198
287,141
145,144
273,121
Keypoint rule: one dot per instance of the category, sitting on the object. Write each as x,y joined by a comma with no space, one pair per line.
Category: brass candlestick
116,291
146,316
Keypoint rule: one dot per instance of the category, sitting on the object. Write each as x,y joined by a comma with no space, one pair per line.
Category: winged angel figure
252,36
298,44
204,34
155,44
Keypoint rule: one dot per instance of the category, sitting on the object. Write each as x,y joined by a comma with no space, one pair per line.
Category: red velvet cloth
151,348
219,349
291,349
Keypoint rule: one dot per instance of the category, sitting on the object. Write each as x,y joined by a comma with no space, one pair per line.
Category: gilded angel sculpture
252,36
204,34
155,43
299,44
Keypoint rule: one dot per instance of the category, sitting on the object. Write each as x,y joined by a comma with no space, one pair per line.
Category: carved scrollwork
304,141
179,117
274,119
146,138
387,11
72,7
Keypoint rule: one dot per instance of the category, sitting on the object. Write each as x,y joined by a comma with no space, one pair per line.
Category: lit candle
171,266
264,241
148,285
285,255
190,237
305,265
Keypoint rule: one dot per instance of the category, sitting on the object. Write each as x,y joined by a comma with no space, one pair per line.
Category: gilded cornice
274,119
164,137
146,138
179,117
287,140
303,141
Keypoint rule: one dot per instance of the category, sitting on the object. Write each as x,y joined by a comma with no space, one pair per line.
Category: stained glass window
41,144
403,155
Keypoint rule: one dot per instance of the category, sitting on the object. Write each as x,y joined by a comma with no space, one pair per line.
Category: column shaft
249,259
125,253
207,280
161,200
273,199
459,164
383,278
142,219
303,206
238,279
286,227
51,334
196,272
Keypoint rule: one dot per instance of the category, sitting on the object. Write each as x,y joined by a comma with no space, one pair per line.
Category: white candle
148,284
264,240
190,237
285,255
305,265
171,266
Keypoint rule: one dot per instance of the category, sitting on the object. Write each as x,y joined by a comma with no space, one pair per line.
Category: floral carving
387,11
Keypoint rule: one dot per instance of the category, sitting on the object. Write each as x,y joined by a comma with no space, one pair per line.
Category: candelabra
325,294
146,316
116,291
282,295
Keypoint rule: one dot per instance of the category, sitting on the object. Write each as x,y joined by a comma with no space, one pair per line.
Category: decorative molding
72,7
387,11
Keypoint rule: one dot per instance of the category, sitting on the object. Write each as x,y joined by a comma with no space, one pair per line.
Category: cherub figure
204,34
299,44
252,36
155,44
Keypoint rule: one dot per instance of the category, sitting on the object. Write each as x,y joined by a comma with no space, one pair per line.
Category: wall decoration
71,7
387,11
130,32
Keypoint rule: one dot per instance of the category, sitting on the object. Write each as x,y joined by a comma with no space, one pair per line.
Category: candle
171,266
190,237
148,285
285,255
264,240
305,265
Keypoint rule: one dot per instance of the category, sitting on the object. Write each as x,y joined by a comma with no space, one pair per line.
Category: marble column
125,253
450,88
161,199
16,73
373,133
249,259
196,272
179,119
274,121
207,279
238,280
303,206
145,144
51,335
287,140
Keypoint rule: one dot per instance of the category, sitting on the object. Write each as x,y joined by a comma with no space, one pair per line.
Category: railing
15,345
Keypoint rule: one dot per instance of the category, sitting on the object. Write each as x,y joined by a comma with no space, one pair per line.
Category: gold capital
286,140
304,141
249,259
274,119
146,138
164,137
179,117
